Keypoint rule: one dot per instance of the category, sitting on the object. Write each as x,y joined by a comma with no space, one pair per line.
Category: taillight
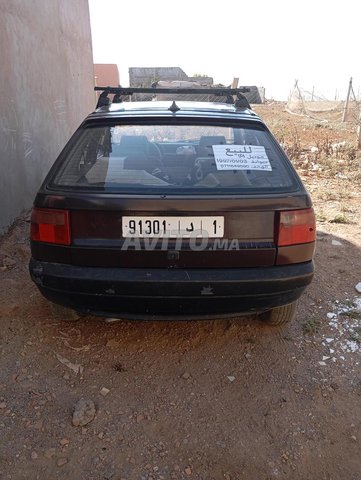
295,227
50,226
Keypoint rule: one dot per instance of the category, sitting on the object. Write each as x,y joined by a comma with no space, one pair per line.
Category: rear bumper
170,292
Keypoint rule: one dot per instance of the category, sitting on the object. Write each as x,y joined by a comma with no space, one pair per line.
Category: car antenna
174,107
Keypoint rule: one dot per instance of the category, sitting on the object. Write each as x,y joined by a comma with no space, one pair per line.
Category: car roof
162,108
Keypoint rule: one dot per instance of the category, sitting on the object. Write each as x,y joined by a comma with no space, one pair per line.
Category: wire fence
317,106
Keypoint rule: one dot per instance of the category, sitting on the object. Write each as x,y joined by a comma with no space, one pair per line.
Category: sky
268,43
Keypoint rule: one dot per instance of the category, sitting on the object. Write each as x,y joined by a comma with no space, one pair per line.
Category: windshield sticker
241,157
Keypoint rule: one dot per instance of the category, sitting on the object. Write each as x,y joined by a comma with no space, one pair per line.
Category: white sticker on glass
241,157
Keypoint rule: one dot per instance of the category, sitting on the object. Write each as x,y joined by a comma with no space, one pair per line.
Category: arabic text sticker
241,157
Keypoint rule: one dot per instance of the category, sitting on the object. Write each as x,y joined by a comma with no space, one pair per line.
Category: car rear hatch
179,193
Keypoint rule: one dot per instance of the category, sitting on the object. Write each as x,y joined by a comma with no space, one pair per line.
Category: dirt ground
225,399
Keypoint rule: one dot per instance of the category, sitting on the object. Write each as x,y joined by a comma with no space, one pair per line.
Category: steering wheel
155,151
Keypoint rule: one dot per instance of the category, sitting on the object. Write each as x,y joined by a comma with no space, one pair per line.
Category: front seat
206,142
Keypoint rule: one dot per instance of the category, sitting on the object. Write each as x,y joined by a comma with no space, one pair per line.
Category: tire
63,314
279,315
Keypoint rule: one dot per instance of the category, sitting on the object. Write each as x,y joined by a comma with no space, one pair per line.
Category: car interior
112,159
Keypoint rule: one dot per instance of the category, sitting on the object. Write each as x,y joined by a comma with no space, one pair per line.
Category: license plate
173,227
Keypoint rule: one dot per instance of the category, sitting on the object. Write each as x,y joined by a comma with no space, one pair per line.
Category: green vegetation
340,218
311,326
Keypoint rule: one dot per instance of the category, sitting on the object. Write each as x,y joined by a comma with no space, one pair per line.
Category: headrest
209,140
139,142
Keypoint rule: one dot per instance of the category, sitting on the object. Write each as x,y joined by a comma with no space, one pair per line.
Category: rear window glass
174,158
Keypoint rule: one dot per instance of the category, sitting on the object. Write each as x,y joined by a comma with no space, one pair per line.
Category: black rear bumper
170,292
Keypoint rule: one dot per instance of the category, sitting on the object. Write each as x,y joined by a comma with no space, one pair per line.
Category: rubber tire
279,315
63,314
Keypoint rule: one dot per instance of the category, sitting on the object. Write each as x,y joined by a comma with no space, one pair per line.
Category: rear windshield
174,159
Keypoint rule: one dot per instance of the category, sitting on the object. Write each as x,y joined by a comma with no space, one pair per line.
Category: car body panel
97,274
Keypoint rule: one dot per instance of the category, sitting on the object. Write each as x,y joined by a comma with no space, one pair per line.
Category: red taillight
50,226
295,227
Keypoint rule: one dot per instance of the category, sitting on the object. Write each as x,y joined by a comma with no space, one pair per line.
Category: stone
49,453
34,455
104,391
62,461
23,250
186,375
9,262
84,412
336,243
112,343
64,441
188,471
231,378
76,368
358,287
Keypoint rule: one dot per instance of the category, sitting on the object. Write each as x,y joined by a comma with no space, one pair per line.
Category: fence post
347,100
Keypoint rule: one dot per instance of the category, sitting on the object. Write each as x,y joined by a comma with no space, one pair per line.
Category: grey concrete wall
46,89
254,94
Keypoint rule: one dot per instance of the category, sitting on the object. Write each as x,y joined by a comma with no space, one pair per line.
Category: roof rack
239,102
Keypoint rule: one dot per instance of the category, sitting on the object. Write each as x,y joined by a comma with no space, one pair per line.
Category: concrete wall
254,95
46,89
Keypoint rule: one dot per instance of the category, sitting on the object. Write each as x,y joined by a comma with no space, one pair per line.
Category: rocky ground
223,399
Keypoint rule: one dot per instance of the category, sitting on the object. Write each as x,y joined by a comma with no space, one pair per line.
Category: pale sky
268,43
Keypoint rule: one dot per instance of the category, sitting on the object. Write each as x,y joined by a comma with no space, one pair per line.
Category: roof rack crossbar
210,91
240,102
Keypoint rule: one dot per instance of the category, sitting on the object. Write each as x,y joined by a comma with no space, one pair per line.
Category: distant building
145,76
106,75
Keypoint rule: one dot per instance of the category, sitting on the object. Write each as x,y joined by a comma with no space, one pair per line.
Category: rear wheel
279,315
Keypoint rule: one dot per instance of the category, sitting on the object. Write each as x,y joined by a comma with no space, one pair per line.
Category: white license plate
173,227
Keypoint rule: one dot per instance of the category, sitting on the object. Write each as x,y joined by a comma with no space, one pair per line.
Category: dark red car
170,210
